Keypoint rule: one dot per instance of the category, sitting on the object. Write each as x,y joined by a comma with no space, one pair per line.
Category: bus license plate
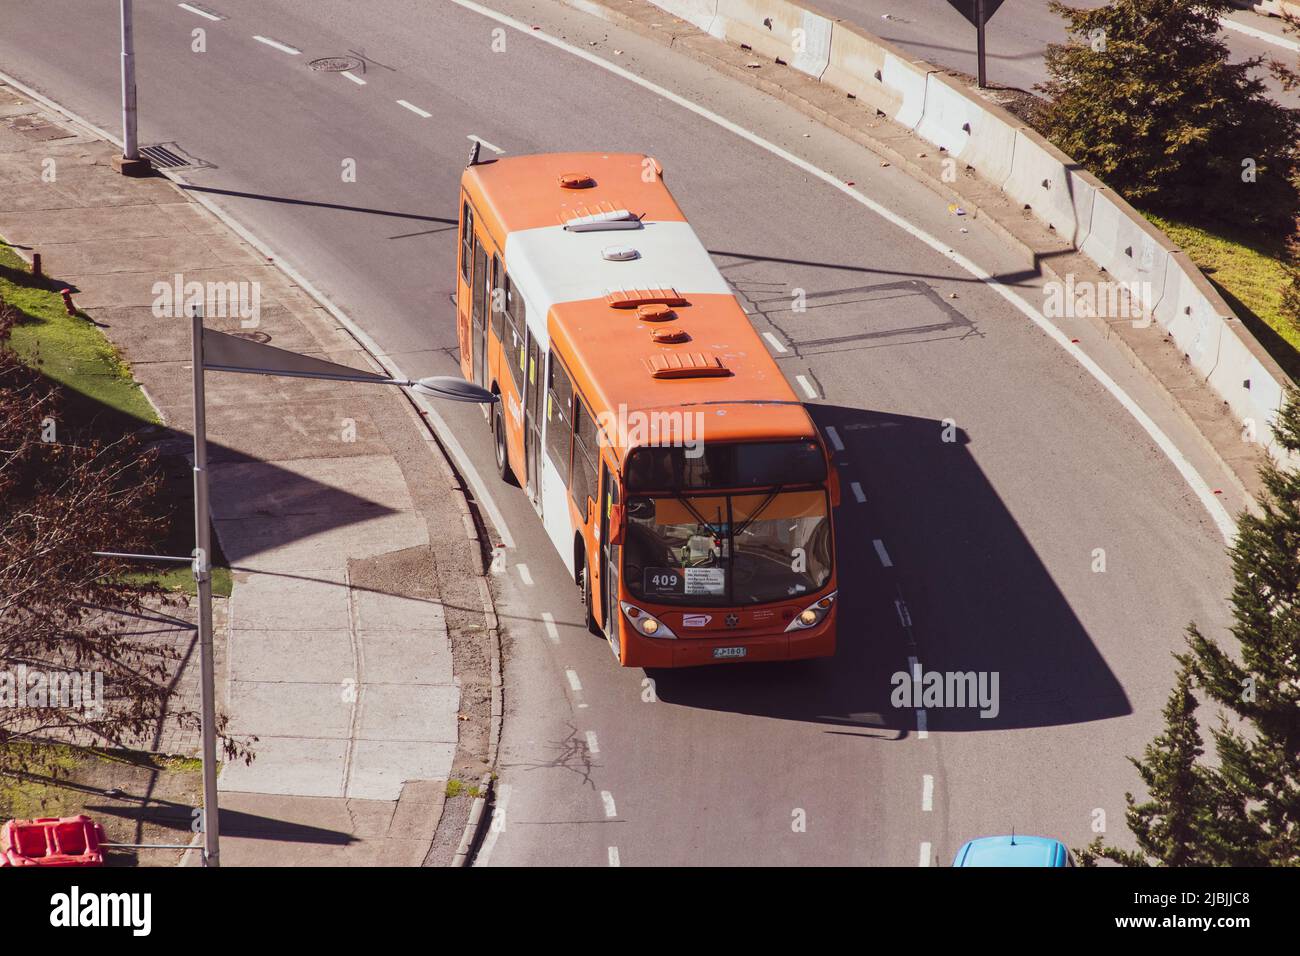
719,652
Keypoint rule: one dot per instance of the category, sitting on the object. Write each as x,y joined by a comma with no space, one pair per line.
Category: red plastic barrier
52,841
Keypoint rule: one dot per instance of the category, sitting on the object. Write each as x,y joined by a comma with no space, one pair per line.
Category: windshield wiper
771,495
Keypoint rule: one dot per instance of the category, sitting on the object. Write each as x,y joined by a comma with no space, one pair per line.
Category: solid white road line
1224,521
774,342
834,436
927,793
414,109
592,745
524,574
349,75
807,388
195,10
482,142
573,680
925,855
282,47
613,856
1258,34
858,493
608,799
552,631
882,553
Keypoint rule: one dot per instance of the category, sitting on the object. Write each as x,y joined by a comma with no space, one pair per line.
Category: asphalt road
990,539
1017,37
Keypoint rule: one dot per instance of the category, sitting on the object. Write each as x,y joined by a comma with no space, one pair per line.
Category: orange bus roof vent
685,365
635,298
669,336
656,312
576,181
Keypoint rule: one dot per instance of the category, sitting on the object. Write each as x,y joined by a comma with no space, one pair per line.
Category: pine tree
1144,96
1259,776
1246,810
1169,826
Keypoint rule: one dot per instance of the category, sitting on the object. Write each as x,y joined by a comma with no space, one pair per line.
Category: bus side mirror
616,526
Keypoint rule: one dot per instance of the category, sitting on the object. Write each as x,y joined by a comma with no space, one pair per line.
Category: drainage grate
335,64
167,156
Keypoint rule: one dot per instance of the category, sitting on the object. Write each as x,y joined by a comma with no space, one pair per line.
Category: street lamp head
453,389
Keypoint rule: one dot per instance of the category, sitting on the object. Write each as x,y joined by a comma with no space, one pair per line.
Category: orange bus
674,469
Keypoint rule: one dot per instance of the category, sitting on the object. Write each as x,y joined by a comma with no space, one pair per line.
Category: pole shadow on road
978,596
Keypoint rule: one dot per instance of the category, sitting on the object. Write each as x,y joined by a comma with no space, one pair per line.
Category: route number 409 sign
708,581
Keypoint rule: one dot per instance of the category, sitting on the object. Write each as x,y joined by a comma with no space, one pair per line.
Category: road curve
989,541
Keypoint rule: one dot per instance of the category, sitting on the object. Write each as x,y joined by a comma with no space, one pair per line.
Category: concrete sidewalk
344,525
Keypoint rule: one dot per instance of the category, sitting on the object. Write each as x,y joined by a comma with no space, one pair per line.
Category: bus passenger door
609,554
465,288
482,289
532,422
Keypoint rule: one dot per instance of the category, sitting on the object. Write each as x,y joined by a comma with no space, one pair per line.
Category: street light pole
130,163
203,578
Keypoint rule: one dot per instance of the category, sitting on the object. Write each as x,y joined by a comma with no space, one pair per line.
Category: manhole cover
335,64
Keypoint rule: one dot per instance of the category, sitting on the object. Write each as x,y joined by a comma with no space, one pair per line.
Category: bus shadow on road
980,602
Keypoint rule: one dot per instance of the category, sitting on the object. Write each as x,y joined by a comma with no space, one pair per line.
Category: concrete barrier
1052,185
857,66
777,28
700,13
1127,246
980,134
1249,381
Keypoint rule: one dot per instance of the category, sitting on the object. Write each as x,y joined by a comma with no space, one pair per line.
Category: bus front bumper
640,651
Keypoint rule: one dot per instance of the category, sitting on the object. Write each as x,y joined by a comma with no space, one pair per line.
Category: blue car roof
1001,851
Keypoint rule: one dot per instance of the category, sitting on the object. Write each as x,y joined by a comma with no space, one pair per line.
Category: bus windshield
738,549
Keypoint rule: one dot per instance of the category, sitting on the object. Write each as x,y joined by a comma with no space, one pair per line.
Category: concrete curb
448,449
475,825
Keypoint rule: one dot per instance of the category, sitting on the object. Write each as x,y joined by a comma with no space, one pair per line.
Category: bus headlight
813,614
645,623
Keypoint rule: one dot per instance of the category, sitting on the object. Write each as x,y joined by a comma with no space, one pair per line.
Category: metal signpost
978,12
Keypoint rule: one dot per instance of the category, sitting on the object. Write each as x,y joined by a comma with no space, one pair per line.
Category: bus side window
497,301
513,342
585,455
466,240
559,421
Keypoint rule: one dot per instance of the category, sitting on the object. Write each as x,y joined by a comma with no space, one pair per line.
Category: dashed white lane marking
202,13
834,436
553,632
282,47
1260,35
858,493
349,75
593,746
608,799
927,793
774,342
524,574
482,142
922,722
573,679
496,824
806,386
904,615
882,553
925,855
613,856
423,114
1226,525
